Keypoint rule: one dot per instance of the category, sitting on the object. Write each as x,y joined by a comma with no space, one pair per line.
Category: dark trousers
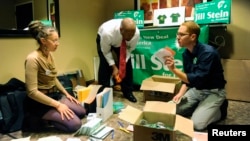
105,71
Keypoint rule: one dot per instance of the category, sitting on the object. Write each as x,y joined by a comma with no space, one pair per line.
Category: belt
48,91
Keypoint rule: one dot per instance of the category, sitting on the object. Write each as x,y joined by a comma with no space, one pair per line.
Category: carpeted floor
238,113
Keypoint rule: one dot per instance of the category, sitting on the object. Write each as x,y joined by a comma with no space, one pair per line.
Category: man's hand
169,61
115,71
177,98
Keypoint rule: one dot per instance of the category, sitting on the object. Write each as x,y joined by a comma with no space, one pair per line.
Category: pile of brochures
95,128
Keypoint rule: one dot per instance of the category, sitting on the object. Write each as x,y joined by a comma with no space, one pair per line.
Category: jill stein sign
216,11
137,15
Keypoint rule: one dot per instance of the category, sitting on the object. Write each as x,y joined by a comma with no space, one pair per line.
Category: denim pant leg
188,103
208,110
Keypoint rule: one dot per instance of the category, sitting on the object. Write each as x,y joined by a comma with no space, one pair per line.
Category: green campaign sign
216,11
144,60
137,15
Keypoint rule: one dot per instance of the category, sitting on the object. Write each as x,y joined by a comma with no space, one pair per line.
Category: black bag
11,108
12,95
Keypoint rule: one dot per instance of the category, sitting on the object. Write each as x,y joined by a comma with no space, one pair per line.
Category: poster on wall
144,58
148,6
216,11
169,16
137,15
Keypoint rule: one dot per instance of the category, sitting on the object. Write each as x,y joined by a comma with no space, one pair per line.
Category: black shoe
223,109
130,97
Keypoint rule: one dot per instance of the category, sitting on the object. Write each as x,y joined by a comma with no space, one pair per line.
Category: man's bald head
128,24
128,28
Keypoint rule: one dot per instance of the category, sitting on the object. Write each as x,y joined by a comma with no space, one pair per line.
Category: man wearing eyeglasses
202,95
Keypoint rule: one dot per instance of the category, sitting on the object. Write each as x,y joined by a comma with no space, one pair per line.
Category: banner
144,61
216,11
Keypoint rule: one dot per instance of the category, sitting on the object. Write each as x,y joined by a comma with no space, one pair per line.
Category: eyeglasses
54,41
181,34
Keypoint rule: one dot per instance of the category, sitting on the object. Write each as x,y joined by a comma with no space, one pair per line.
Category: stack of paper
95,129
89,127
200,136
102,132
87,94
83,93
50,138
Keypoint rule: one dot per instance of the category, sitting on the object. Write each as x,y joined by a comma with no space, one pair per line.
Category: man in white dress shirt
109,39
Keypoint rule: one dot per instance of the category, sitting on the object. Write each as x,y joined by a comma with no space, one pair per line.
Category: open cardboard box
153,112
160,88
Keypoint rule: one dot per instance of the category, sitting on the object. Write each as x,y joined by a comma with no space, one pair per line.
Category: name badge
47,72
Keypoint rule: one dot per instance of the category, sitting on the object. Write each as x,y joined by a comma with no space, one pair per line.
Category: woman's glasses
54,41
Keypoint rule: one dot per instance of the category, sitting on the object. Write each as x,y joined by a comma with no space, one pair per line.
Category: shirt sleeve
106,49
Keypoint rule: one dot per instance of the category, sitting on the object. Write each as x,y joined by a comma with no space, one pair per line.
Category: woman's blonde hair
38,30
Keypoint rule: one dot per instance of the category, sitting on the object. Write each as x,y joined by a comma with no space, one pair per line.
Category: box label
160,136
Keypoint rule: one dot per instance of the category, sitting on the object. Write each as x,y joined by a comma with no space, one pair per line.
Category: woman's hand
65,112
72,99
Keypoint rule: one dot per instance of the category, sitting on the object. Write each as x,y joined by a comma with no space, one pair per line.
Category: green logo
195,60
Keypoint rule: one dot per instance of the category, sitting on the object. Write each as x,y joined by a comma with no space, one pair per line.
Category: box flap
149,79
157,86
184,125
165,79
160,107
130,114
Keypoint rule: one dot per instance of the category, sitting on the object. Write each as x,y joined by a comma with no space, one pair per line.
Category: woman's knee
74,126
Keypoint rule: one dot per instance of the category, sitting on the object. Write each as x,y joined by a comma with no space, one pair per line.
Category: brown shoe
117,87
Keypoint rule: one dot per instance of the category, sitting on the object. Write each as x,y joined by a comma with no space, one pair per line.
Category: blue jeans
203,106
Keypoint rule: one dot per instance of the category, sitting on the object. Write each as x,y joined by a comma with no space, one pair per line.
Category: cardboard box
236,74
160,88
153,112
